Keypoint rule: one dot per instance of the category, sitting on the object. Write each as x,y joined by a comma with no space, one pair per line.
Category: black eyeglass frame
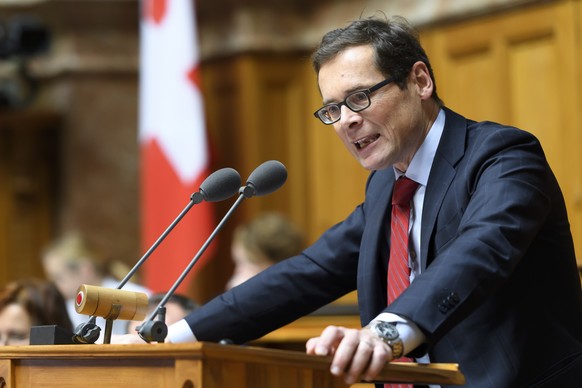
367,92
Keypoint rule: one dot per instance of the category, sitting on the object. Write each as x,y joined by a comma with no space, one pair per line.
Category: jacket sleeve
287,290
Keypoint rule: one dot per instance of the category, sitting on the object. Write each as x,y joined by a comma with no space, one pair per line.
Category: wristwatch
389,334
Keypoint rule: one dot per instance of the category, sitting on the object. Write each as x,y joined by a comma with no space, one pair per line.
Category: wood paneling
28,184
272,98
521,68
259,107
255,113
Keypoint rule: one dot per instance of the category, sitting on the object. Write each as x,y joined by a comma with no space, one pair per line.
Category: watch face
387,330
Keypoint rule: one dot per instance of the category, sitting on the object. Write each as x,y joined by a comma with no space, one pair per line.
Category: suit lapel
450,150
374,259
372,266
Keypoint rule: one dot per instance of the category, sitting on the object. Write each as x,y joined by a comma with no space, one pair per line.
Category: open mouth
364,142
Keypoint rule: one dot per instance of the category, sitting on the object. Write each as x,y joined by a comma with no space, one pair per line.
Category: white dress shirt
418,171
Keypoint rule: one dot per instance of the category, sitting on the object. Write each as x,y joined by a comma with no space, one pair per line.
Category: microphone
218,186
265,179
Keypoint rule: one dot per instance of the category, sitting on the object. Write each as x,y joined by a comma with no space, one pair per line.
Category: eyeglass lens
356,102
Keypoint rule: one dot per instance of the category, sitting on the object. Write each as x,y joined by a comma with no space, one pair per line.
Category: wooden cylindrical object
111,303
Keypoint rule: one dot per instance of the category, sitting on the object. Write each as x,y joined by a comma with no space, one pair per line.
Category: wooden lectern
192,365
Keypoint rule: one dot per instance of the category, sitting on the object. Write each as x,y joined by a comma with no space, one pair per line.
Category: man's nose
348,116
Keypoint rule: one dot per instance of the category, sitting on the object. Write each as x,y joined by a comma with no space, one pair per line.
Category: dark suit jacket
499,292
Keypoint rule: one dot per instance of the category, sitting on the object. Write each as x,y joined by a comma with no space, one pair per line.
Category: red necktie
398,269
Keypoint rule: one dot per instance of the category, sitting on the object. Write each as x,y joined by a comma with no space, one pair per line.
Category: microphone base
87,333
153,331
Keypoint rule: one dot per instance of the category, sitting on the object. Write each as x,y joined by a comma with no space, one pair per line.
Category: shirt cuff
409,333
180,332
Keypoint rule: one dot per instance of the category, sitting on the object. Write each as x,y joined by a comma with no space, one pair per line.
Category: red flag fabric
173,141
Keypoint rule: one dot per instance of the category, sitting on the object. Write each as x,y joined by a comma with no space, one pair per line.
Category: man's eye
332,110
359,97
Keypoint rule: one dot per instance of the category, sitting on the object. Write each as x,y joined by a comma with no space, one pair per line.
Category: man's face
392,128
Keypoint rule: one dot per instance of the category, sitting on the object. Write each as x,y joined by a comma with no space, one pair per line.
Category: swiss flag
173,141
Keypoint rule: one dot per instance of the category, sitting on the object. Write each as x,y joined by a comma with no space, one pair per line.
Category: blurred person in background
26,303
264,241
70,262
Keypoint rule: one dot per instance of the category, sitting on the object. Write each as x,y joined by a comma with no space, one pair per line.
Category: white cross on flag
173,141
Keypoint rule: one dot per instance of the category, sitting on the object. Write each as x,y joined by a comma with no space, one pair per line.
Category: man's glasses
357,101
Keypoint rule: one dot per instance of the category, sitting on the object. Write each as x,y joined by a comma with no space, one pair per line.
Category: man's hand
358,354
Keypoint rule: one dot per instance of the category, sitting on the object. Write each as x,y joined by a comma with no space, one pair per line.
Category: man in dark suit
494,285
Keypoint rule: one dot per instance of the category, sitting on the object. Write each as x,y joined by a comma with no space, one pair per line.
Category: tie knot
403,191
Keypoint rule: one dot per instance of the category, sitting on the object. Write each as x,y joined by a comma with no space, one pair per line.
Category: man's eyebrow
355,88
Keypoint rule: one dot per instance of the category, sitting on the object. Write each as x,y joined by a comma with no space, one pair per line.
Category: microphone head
266,178
220,185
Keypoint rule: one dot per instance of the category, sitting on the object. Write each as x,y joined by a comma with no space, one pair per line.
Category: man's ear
422,80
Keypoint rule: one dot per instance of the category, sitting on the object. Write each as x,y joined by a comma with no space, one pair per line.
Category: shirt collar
419,167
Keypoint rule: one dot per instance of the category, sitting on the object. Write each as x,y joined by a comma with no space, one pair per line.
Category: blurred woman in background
71,261
264,241
26,303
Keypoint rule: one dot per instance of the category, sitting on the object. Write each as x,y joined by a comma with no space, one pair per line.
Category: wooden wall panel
468,77
263,121
521,68
536,59
255,112
28,183
259,107
266,111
